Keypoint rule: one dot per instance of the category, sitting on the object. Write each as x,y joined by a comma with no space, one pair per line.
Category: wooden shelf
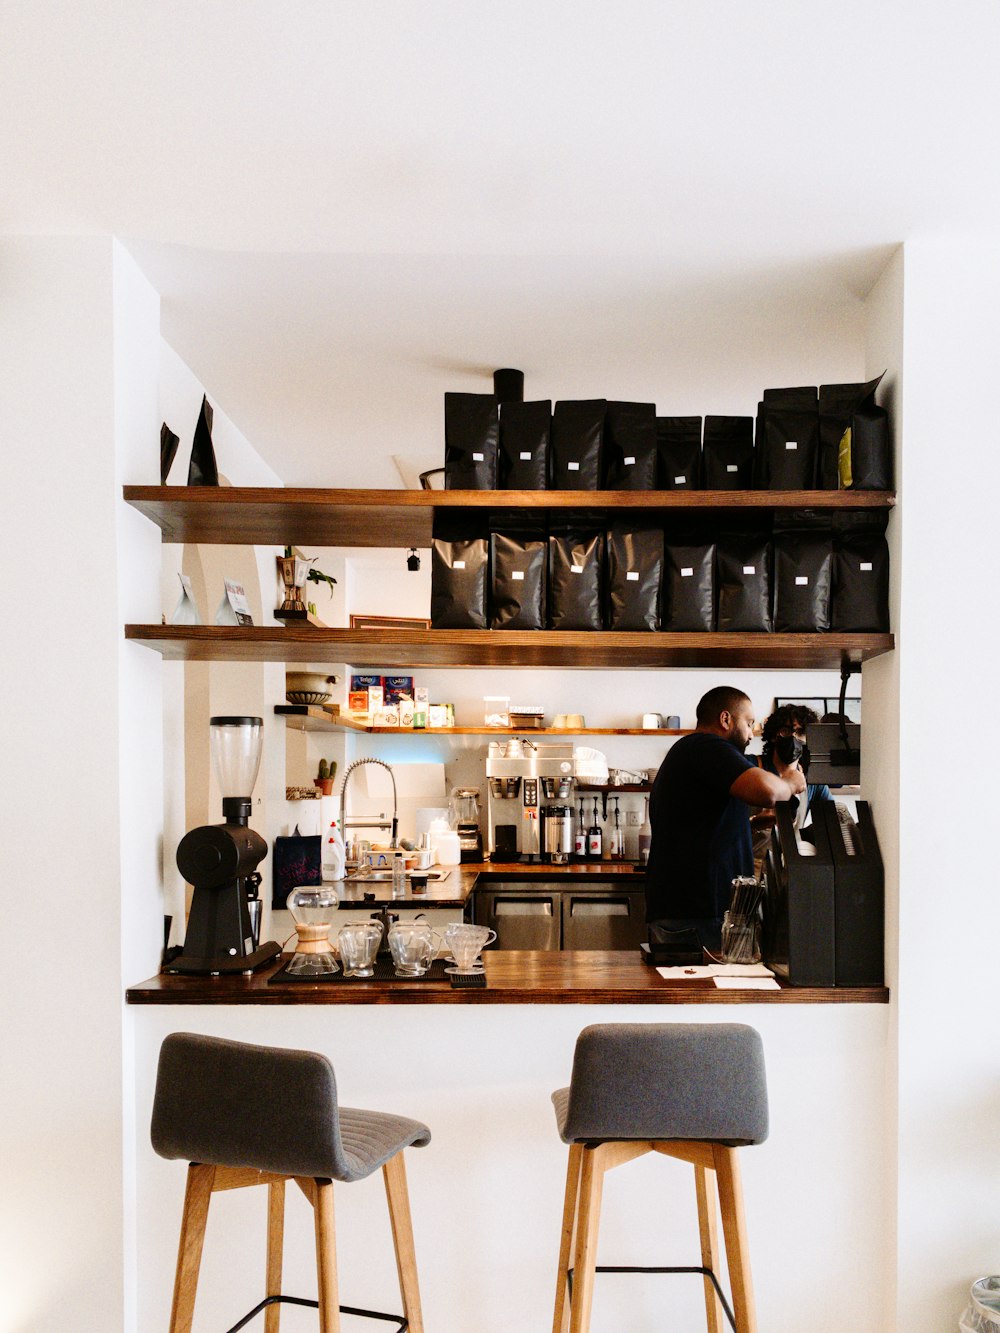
304,717
570,650
274,516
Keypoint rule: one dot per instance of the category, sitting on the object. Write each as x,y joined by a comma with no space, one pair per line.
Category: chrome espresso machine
529,804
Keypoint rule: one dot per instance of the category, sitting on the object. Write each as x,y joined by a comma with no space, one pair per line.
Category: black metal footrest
401,1322
704,1272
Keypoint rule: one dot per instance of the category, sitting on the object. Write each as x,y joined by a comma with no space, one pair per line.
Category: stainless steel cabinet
561,914
602,920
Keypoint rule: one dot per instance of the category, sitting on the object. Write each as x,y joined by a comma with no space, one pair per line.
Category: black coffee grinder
220,862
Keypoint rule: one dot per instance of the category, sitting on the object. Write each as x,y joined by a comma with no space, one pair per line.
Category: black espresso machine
824,910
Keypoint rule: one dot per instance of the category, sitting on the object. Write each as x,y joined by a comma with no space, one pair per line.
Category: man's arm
758,787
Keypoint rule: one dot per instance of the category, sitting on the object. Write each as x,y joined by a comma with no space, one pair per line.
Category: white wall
949,909
75,328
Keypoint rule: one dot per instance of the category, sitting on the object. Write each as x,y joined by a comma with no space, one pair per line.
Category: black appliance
824,916
220,862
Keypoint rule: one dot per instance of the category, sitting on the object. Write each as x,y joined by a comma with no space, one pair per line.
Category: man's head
726,712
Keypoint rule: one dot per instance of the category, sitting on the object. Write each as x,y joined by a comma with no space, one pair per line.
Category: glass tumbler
740,938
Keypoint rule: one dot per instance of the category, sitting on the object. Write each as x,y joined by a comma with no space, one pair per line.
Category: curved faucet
378,823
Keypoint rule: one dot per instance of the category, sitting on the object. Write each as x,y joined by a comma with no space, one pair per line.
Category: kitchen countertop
512,977
463,879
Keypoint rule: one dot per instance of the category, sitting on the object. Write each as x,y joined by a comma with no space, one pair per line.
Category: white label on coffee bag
800,579
573,467
680,481
525,455
629,462
576,569
478,458
686,572
791,444
632,576
732,467
749,569
865,566
517,574
458,564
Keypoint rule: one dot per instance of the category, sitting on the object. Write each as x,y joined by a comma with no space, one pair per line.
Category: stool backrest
230,1103
668,1081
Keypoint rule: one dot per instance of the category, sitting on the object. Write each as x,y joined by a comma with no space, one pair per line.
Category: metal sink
385,876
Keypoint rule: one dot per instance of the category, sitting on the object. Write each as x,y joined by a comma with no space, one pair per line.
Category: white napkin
715,970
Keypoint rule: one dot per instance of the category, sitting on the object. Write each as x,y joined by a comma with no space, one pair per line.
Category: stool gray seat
243,1115
697,1092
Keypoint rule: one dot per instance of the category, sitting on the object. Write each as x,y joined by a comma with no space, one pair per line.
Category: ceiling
349,208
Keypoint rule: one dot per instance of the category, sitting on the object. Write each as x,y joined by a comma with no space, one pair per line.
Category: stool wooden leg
727,1169
394,1173
326,1257
560,1320
588,1221
197,1197
704,1184
275,1245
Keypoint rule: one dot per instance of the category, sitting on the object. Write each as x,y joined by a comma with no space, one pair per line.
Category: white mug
651,721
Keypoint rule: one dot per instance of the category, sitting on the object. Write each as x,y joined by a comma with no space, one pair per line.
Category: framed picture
388,622
822,706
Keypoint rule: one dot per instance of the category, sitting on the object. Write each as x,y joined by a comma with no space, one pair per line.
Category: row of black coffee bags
830,438
532,571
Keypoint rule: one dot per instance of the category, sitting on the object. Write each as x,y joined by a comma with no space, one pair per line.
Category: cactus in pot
325,776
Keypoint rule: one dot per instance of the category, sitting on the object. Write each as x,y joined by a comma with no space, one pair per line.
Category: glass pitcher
464,806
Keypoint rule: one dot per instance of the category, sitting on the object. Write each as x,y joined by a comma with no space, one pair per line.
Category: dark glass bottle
595,839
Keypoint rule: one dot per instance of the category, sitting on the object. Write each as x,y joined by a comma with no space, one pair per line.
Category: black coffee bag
518,559
459,553
689,587
202,469
525,430
578,445
630,446
678,453
743,579
787,440
854,438
168,450
728,453
576,568
634,576
803,565
471,442
861,583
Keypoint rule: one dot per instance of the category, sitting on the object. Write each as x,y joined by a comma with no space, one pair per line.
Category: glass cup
740,938
413,945
466,943
358,943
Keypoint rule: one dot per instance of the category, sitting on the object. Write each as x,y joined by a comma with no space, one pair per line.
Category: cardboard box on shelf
386,716
397,688
406,712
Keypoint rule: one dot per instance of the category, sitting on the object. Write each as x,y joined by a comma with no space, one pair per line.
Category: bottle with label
398,875
645,834
580,837
595,839
617,836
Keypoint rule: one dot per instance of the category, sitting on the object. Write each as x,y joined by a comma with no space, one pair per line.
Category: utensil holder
740,938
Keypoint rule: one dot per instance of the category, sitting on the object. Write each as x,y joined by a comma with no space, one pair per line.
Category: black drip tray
384,971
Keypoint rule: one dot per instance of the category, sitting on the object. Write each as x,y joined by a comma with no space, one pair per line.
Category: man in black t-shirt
699,813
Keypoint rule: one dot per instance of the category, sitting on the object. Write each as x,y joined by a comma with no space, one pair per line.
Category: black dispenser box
824,914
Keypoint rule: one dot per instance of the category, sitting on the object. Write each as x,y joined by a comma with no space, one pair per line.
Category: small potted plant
295,572
325,776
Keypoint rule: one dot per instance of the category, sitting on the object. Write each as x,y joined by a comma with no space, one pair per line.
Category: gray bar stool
255,1115
687,1090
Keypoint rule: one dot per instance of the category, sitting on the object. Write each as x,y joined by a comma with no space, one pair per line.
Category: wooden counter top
512,977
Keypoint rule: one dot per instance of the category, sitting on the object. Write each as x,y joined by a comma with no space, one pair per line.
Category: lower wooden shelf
407,649
308,717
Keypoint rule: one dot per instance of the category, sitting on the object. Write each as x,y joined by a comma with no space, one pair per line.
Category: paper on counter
746,983
715,970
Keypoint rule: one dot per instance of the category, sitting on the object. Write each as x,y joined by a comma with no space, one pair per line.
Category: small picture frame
388,622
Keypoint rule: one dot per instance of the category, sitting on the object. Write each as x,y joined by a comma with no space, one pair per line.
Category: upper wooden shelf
307,717
407,649
276,516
